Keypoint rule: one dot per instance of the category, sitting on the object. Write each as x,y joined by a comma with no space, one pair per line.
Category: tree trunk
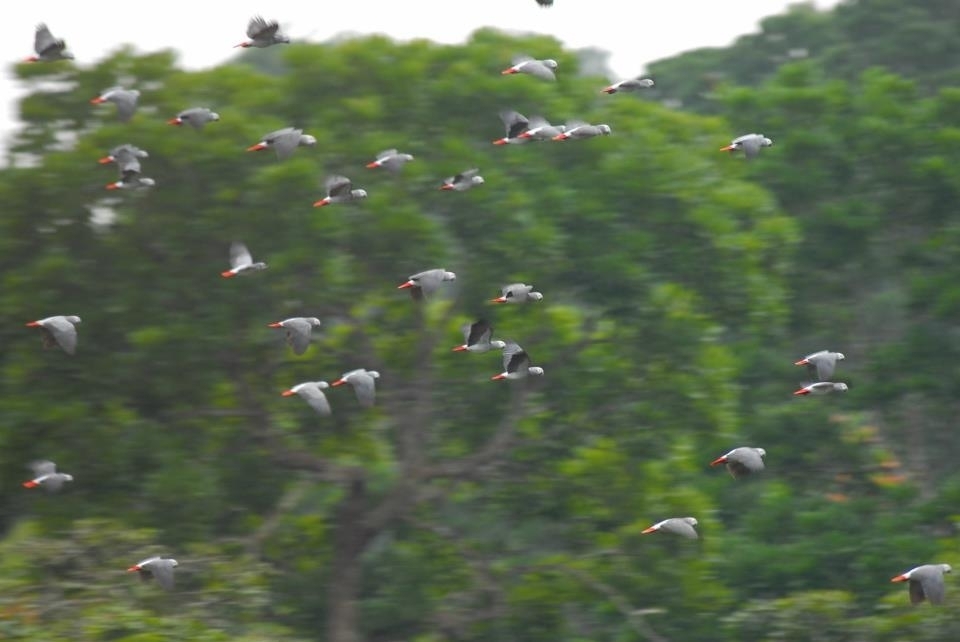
346,572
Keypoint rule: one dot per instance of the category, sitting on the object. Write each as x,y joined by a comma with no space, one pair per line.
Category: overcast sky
635,33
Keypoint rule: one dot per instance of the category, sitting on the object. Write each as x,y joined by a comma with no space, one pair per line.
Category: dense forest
680,284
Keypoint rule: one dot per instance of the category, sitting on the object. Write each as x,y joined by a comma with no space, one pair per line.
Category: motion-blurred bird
463,181
284,142
631,84
263,33
517,293
423,284
125,155
196,117
159,568
540,129
124,99
340,190
477,338
45,476
241,261
58,331
364,385
749,144
298,331
821,388
312,393
131,178
47,48
578,130
742,461
926,582
515,124
683,526
390,159
516,364
821,364
527,65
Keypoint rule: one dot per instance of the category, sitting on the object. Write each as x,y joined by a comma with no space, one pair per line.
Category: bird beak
287,393
33,324
174,121
802,391
718,460
321,202
97,100
727,148
105,160
499,299
408,284
338,382
899,578
227,274
133,568
373,165
257,147
498,377
274,325
647,530
458,349
802,362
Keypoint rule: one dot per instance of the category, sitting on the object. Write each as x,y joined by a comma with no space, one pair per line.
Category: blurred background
680,284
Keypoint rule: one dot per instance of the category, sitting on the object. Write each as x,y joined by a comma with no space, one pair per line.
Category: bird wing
387,153
679,527
44,42
540,70
163,572
43,467
478,332
338,185
365,388
260,29
824,366
514,122
64,332
428,281
298,334
314,396
515,358
521,58
931,585
916,592
239,255
126,102
284,141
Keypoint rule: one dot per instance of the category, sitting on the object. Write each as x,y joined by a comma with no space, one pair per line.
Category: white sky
634,32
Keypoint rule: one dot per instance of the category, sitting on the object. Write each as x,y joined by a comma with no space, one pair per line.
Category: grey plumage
477,338
58,331
578,130
423,284
518,293
312,393
391,159
631,84
682,526
515,124
821,364
742,461
241,261
340,190
298,332
463,181
284,142
516,363
45,475
542,69
196,117
263,33
364,385
159,568
124,99
926,582
749,144
47,47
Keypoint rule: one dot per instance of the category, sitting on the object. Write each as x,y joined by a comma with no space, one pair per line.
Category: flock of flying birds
926,582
